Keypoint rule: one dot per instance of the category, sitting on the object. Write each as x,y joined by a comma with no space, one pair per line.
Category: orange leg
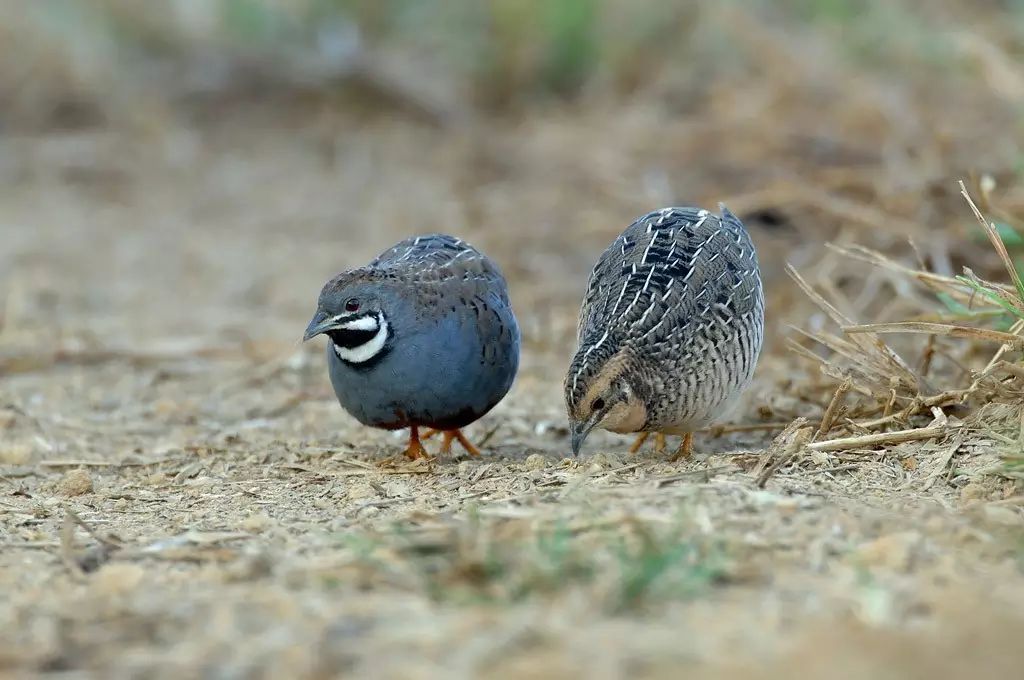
449,437
685,449
659,442
641,438
415,449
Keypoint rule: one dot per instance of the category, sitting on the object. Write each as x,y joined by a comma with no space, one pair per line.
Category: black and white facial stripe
359,339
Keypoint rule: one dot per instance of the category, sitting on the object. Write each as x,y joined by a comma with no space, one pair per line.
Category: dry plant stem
67,548
996,359
874,369
997,241
489,434
949,330
934,282
778,444
829,418
940,468
786,446
927,356
903,414
869,440
874,356
890,403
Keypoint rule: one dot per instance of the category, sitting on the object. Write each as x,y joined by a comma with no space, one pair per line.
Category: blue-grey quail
670,328
422,336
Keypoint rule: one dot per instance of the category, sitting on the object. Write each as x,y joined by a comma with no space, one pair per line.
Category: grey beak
320,323
578,433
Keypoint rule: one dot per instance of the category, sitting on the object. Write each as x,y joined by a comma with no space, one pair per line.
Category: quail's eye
352,305
597,405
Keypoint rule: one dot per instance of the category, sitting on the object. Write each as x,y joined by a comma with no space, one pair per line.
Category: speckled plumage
671,324
448,340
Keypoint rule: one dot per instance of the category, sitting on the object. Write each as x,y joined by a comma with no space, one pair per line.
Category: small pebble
820,458
75,483
156,479
973,492
15,454
118,578
894,551
249,568
256,523
536,461
550,429
1000,514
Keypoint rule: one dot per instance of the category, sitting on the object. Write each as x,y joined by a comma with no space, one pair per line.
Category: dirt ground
181,495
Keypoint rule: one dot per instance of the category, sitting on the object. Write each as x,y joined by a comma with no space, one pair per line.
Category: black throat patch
349,338
363,346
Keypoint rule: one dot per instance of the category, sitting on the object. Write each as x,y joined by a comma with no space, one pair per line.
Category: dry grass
882,380
180,494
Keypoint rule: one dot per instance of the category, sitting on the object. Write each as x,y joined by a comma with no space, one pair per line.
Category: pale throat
626,417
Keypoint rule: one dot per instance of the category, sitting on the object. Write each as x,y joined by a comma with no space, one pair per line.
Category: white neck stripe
369,349
362,323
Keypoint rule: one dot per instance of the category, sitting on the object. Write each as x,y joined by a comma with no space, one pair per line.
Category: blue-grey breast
422,336
670,328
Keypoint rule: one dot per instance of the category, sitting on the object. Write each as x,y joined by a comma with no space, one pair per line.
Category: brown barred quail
670,328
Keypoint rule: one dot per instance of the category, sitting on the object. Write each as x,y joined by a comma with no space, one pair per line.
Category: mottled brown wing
593,310
668,270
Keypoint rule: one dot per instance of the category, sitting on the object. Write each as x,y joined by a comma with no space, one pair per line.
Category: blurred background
179,178
200,167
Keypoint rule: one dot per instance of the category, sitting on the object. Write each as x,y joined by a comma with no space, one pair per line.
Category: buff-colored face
608,401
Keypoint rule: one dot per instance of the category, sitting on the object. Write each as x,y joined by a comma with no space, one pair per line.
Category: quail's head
355,310
602,392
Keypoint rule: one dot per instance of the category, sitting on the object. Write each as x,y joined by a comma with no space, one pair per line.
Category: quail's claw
453,435
685,449
449,437
415,449
659,442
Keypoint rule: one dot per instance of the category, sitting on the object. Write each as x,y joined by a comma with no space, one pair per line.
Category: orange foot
449,437
415,449
659,442
685,449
